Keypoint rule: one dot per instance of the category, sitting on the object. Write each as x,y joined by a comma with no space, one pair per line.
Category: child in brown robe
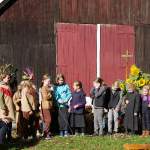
6,107
17,103
46,105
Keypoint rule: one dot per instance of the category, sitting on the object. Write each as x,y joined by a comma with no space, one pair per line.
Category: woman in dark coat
77,106
132,111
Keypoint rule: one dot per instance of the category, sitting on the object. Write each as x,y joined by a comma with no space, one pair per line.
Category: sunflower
142,82
128,80
147,82
134,70
122,86
136,83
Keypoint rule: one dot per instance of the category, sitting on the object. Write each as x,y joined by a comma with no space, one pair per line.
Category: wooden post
127,56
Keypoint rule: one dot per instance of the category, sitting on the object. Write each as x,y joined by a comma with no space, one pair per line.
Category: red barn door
76,53
115,40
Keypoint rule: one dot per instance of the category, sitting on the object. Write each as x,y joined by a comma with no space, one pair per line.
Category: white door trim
98,50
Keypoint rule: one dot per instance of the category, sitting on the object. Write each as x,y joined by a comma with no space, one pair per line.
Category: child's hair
131,85
25,83
116,82
146,87
78,83
99,80
59,76
45,77
2,76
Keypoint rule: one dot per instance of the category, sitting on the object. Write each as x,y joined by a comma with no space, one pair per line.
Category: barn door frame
98,68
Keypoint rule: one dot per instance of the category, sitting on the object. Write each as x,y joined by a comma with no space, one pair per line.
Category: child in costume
46,105
6,103
17,103
28,105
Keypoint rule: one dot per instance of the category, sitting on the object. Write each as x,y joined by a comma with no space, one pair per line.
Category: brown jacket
47,99
27,101
9,113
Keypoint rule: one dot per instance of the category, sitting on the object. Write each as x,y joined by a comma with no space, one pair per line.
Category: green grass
80,143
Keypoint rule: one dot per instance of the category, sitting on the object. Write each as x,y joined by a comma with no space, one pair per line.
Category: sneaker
76,133
66,134
82,134
38,134
48,137
61,134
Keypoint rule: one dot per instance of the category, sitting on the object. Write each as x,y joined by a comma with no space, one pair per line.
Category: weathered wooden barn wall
27,36
143,47
130,12
105,11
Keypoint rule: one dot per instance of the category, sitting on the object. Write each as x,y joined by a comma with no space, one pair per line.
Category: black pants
146,121
29,125
63,118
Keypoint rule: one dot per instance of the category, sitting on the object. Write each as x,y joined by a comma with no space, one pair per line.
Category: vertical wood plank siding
143,47
27,35
105,11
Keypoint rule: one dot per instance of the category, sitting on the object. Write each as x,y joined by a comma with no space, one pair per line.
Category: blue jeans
3,131
9,129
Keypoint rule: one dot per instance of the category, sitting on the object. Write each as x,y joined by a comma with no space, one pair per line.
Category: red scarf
7,92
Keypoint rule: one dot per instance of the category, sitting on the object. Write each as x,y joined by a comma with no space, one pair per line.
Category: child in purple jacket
77,106
145,111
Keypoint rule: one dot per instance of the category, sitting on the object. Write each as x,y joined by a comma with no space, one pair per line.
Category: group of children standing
30,108
134,108
27,107
70,105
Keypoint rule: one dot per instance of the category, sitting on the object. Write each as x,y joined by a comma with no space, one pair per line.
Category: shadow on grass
19,144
